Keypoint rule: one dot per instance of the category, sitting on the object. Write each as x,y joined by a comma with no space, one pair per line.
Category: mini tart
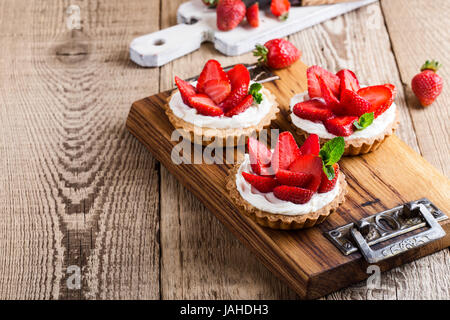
357,146
280,221
228,137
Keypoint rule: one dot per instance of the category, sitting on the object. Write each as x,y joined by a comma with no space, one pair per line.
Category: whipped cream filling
250,117
269,203
377,127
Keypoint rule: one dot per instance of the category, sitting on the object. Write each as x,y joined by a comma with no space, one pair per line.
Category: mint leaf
331,153
364,121
255,92
329,171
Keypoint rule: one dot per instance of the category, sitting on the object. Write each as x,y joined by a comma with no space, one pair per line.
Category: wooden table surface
76,189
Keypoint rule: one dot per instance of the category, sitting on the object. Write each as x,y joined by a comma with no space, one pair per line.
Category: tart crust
357,146
279,221
228,137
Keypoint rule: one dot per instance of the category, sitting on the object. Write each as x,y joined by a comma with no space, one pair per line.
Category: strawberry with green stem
428,85
277,53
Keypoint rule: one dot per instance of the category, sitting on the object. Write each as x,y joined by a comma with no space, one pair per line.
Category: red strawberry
348,80
380,97
392,88
312,165
253,15
313,73
330,99
328,185
277,53
229,14
234,98
205,105
340,126
293,194
290,178
311,145
280,8
211,71
353,104
186,89
217,90
262,184
428,85
238,76
241,107
314,110
210,3
285,151
260,156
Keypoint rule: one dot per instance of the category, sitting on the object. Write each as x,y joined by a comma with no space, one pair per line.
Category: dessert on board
336,105
222,106
289,187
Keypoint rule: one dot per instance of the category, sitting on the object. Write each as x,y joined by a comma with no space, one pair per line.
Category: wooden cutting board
197,24
305,259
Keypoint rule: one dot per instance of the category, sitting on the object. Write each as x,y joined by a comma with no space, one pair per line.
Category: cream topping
250,117
269,203
377,127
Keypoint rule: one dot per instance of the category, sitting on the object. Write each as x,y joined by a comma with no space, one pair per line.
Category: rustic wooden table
77,190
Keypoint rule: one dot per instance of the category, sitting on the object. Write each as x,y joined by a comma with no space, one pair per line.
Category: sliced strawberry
340,126
286,151
260,156
330,99
217,90
294,179
311,145
186,89
211,71
392,88
252,15
313,73
262,184
328,185
238,76
353,104
381,98
312,165
205,105
348,81
314,110
234,98
241,107
293,194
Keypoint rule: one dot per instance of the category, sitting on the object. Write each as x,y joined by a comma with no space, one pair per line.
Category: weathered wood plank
200,259
76,188
413,43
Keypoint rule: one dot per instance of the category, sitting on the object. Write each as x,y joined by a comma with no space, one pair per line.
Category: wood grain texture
77,189
48,168
305,259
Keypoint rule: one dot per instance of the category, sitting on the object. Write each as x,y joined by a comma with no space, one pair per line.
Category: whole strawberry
229,14
427,85
277,53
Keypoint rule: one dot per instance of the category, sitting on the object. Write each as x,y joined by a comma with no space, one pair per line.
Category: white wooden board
197,24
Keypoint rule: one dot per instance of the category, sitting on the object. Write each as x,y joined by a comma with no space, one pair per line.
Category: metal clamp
387,225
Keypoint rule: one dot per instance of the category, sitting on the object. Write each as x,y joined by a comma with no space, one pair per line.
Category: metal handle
373,256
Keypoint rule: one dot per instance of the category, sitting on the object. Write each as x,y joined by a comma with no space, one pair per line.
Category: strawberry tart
336,105
222,106
289,187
